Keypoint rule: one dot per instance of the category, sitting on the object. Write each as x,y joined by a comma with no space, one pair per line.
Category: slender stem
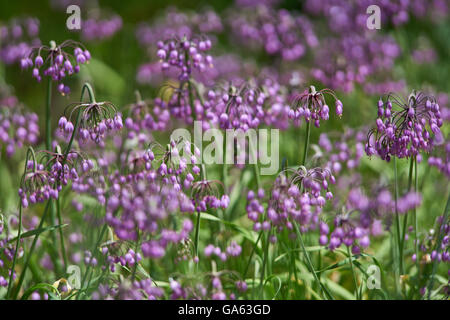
197,224
197,233
397,219
263,270
30,151
48,120
416,244
308,258
405,220
251,254
29,255
310,264
136,248
350,257
86,86
97,244
224,166
15,251
305,151
61,236
191,100
410,175
48,146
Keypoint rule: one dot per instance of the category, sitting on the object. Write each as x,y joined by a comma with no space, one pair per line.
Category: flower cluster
6,254
185,55
435,246
41,181
18,127
57,62
210,288
344,16
239,108
344,153
298,197
141,117
311,106
233,250
279,32
95,119
127,290
17,38
442,164
404,128
179,24
97,28
341,62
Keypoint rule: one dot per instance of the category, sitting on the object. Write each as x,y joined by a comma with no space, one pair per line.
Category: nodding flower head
174,159
348,231
37,185
57,62
311,105
299,197
205,193
185,55
404,127
44,178
96,120
240,107
146,114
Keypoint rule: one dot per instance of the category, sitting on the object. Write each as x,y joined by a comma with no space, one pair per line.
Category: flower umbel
405,127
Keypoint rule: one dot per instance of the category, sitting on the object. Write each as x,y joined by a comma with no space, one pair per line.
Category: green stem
405,220
15,251
263,270
30,152
350,256
251,254
224,166
88,87
48,120
397,220
97,244
416,244
136,248
327,294
308,133
61,237
197,224
191,100
48,146
29,255
197,233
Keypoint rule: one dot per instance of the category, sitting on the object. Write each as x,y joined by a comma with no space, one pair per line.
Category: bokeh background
410,51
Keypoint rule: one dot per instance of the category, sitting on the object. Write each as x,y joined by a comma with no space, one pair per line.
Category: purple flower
405,127
50,58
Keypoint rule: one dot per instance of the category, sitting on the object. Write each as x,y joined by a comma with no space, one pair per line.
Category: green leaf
51,290
38,231
245,233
